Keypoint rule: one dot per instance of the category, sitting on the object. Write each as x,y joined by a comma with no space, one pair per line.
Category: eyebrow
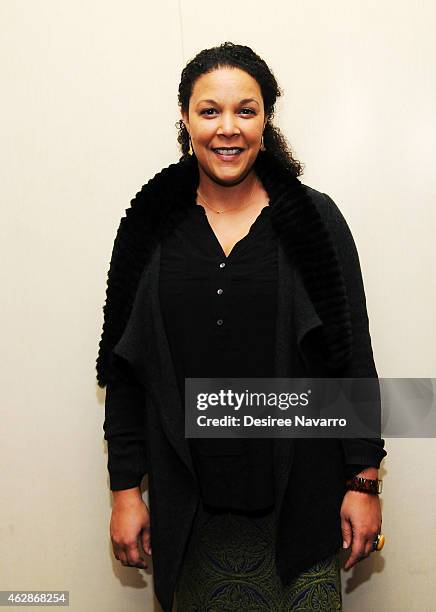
244,101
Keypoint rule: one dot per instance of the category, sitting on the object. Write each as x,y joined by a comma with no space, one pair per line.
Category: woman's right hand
130,522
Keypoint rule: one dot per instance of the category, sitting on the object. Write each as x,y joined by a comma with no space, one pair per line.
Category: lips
227,153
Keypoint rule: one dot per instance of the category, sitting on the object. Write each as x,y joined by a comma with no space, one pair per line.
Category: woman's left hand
361,523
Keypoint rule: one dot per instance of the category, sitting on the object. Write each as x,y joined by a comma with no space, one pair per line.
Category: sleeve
362,452
352,469
125,430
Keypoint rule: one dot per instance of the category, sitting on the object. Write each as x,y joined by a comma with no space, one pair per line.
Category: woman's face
225,110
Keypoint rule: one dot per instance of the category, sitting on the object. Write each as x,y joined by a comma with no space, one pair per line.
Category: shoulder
326,206
331,214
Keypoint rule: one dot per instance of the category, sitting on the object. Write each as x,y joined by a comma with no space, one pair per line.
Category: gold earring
262,145
191,152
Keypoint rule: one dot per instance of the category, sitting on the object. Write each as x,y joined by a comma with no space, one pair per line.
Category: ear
185,119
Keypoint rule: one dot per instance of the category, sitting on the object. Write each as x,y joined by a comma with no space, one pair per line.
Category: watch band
366,485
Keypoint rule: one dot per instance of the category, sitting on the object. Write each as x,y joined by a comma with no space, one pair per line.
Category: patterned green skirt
229,566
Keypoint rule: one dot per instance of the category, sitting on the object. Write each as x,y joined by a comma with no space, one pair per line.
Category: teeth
228,151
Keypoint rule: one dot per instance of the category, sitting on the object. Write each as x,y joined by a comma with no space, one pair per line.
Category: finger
119,553
369,547
370,538
357,551
145,539
121,556
347,533
133,556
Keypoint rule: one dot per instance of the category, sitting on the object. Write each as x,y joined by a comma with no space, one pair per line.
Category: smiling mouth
227,153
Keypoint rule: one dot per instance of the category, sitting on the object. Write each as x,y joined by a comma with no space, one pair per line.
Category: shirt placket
219,289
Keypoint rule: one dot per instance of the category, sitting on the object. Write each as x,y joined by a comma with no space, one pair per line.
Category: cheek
254,134
205,134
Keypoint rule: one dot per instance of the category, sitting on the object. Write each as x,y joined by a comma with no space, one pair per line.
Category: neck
224,195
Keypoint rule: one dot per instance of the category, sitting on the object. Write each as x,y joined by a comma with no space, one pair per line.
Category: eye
206,111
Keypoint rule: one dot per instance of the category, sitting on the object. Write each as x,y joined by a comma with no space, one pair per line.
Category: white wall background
88,107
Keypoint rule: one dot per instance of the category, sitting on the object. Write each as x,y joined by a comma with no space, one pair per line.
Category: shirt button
222,264
219,322
219,291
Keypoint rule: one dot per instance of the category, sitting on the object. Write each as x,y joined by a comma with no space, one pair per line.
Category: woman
226,265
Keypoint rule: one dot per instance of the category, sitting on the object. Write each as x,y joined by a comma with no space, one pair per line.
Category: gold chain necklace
219,212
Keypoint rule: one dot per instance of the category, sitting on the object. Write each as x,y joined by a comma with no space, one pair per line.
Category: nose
228,125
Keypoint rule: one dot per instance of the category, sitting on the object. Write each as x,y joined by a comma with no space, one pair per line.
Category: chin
226,174
231,177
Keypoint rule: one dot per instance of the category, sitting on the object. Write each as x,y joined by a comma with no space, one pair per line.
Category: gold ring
379,542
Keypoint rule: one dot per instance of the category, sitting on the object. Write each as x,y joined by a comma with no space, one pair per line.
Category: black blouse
220,316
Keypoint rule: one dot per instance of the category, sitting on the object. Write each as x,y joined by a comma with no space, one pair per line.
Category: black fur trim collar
161,205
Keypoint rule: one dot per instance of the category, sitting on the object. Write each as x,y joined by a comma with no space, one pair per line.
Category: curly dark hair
238,56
